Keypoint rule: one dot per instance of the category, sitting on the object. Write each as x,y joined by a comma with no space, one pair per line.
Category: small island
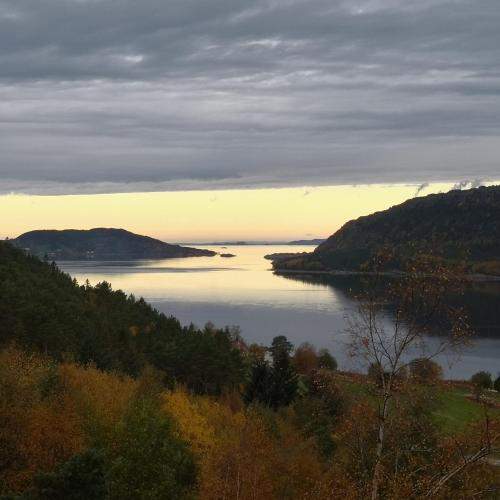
227,255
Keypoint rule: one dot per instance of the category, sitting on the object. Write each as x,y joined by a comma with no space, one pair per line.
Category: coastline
475,277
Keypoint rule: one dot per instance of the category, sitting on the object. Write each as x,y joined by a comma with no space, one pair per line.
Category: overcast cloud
137,95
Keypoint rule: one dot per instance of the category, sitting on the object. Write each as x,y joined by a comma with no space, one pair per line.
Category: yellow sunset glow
253,214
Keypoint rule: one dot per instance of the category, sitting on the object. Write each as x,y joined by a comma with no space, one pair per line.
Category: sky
186,99
270,214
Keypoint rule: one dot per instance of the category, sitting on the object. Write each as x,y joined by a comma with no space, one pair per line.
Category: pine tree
260,384
284,380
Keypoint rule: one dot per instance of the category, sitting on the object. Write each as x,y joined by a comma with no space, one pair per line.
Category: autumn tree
419,303
40,426
305,358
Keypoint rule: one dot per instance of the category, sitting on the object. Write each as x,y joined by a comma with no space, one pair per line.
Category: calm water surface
243,291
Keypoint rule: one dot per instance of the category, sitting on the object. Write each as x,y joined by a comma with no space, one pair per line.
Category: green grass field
455,410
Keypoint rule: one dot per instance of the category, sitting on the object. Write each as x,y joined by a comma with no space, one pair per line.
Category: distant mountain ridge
314,241
100,244
458,225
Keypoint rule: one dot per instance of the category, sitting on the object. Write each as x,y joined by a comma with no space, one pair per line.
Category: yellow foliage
101,397
50,412
193,425
19,376
240,465
39,423
246,454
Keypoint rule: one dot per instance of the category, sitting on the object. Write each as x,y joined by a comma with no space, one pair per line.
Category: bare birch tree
419,308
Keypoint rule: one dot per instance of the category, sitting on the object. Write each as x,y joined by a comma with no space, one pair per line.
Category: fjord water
243,291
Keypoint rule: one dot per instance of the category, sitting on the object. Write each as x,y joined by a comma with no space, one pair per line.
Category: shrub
481,380
425,370
326,360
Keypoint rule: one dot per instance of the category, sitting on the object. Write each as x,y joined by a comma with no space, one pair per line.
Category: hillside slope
101,244
461,225
44,310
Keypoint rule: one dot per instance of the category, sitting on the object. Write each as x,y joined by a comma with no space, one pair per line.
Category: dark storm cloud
124,95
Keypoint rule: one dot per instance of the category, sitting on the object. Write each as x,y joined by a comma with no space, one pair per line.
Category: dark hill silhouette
459,225
101,244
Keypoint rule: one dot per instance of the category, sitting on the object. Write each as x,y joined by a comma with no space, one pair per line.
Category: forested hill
101,244
462,225
44,310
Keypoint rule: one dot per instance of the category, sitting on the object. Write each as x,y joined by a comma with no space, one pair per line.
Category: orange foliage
50,412
40,426
241,462
305,358
246,454
19,375
54,433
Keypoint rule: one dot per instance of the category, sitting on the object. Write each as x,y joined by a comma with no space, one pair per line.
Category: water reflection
481,300
244,291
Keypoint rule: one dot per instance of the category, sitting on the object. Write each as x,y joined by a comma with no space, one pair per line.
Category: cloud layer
122,95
